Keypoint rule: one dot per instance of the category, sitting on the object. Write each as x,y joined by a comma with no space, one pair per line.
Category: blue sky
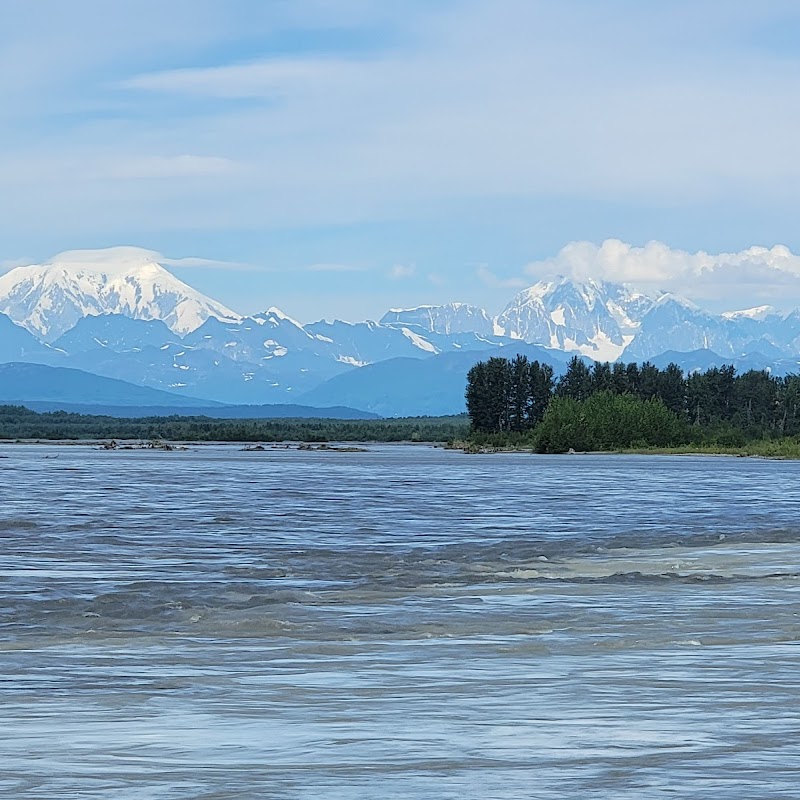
343,156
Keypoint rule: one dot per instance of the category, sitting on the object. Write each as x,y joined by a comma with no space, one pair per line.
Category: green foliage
17,422
508,396
715,408
576,382
607,421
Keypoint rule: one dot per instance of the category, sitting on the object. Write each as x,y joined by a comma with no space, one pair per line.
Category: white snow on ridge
447,319
603,348
595,318
418,341
354,362
759,312
277,314
621,317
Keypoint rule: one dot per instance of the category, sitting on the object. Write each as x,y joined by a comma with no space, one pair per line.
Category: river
406,622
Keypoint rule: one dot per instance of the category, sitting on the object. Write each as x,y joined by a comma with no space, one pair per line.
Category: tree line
517,397
18,422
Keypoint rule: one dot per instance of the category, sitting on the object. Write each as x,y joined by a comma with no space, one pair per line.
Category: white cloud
192,262
130,256
402,271
756,273
493,281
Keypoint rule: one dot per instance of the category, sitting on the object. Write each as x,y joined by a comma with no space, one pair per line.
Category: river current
406,622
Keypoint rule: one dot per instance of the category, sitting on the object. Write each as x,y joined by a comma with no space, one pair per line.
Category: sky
335,158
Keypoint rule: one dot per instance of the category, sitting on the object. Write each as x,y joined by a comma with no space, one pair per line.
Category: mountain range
122,315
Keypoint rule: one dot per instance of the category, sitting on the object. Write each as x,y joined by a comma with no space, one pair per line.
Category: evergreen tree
540,391
520,398
648,381
672,388
619,378
498,381
755,401
632,374
477,396
602,379
576,382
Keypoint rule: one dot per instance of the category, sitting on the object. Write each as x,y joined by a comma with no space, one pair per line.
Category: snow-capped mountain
120,314
49,299
595,318
445,319
257,339
268,357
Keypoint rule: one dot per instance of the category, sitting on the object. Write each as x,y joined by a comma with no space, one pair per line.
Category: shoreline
714,451
465,448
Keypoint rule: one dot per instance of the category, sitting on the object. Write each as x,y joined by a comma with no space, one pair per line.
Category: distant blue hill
21,382
703,359
44,388
432,386
18,344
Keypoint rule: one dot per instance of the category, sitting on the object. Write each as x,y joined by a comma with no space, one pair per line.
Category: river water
402,623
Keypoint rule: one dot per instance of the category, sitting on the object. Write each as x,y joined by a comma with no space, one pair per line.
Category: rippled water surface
401,623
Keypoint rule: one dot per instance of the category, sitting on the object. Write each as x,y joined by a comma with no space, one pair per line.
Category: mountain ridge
128,318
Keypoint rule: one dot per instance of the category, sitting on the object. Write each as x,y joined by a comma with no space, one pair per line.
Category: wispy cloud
158,167
281,77
335,268
192,262
402,271
493,281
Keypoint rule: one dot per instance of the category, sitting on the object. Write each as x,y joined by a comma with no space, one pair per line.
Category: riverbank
782,449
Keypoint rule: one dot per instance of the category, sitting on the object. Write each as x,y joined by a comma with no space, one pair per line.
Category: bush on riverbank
606,421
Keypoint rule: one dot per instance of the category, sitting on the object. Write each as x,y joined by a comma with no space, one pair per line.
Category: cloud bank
757,274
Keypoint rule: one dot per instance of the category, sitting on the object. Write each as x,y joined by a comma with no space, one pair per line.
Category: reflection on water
406,622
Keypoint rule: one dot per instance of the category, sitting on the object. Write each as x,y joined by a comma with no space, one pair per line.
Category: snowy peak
49,299
445,319
275,317
596,318
759,313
